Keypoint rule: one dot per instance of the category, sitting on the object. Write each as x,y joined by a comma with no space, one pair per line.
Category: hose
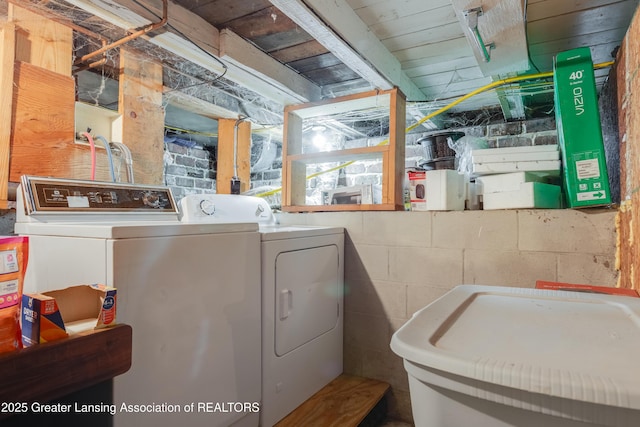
93,154
124,151
109,156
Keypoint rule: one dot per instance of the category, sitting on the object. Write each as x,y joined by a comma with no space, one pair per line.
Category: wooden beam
180,20
197,106
7,56
43,96
628,219
41,41
336,26
202,49
395,172
226,158
237,51
140,104
42,123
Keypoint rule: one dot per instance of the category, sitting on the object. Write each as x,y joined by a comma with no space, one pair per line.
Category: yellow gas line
447,107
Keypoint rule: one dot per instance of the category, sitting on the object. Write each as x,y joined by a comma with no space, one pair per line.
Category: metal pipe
132,36
91,65
472,23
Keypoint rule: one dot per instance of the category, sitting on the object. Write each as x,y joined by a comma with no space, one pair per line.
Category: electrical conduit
235,180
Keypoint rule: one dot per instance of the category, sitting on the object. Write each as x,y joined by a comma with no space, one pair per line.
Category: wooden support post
396,164
225,170
293,173
7,55
41,41
628,221
43,96
140,103
42,125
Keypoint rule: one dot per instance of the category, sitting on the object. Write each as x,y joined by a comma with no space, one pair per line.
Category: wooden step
344,402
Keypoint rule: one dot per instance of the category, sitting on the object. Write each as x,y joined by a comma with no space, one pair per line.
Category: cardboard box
53,315
418,190
515,154
41,320
446,190
559,286
579,130
530,195
549,167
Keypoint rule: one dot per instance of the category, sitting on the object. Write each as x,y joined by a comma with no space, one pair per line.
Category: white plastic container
487,356
506,181
445,190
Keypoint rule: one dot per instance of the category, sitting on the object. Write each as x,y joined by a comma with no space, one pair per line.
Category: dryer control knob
207,207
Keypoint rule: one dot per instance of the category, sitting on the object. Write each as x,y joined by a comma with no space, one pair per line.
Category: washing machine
302,269
190,291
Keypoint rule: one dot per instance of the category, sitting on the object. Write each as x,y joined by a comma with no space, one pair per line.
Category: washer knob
207,207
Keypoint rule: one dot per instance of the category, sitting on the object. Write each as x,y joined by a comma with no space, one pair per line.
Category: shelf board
55,369
350,154
344,402
345,207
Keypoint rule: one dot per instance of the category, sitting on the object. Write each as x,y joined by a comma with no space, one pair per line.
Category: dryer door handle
286,303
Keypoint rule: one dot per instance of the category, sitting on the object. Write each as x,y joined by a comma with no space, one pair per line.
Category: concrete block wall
188,170
399,262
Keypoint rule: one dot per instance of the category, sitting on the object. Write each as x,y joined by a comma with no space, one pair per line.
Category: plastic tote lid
574,345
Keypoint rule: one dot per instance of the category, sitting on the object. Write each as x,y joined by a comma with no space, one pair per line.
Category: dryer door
307,296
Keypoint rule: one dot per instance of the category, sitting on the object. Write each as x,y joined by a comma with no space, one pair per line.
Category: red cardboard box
559,286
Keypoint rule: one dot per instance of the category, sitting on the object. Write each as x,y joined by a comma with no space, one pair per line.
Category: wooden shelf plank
51,370
351,154
7,55
345,207
344,402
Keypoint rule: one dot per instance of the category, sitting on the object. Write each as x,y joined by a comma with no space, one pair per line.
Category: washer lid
566,344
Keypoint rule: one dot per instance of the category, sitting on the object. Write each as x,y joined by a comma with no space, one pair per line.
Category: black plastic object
235,185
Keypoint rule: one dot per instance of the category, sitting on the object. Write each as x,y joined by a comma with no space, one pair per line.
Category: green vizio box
586,180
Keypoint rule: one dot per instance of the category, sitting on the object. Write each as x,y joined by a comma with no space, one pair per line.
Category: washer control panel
50,194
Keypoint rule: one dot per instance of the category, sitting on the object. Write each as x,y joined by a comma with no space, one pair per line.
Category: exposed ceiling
417,45
290,51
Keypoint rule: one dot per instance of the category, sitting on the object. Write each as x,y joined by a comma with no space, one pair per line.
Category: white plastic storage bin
488,356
